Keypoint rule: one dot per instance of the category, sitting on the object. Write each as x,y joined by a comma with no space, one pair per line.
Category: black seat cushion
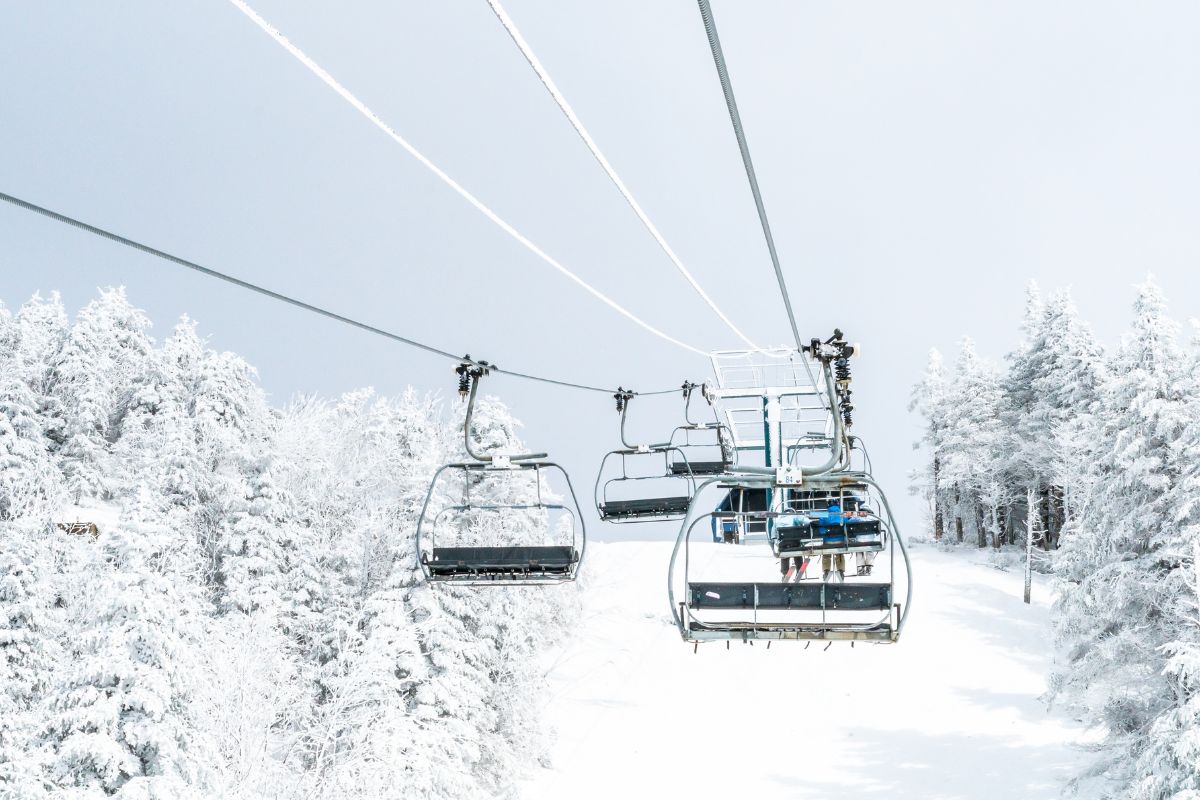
483,560
648,507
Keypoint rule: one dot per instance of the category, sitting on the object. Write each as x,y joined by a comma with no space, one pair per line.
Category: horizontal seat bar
475,560
791,596
645,507
699,467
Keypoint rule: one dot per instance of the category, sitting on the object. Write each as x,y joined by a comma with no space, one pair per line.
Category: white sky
920,162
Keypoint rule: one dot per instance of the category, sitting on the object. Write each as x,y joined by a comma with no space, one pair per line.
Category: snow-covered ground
951,711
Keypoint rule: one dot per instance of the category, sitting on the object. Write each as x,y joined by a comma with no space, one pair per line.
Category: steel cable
374,118
569,113
714,43
283,298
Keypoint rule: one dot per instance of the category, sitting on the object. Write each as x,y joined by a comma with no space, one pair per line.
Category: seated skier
796,572
787,528
833,568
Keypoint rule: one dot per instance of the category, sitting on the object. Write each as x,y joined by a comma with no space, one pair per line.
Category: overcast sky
920,162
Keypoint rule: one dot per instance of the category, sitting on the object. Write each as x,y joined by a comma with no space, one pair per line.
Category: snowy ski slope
949,712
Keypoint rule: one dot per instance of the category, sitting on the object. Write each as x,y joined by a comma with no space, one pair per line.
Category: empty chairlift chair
638,483
702,448
495,511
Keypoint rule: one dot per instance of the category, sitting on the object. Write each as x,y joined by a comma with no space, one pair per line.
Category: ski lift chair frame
733,525
861,530
695,467
644,509
517,565
829,599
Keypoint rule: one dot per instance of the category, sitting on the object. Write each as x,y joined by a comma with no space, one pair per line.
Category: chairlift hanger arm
469,373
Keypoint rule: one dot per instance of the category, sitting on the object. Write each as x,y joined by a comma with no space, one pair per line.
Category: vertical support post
1029,511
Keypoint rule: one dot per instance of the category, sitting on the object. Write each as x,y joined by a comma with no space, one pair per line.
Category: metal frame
427,526
601,490
647,512
793,506
497,574
724,442
694,629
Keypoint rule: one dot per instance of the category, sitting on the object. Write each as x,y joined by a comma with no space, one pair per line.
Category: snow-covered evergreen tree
89,375
974,441
929,398
123,715
1125,562
30,484
247,618
28,659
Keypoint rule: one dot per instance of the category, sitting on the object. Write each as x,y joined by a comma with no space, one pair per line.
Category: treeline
248,620
1106,443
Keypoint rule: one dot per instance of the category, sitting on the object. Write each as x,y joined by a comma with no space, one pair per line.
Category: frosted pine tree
1123,565
122,718
41,327
30,485
252,560
975,442
8,338
928,399
1063,383
157,415
104,349
29,656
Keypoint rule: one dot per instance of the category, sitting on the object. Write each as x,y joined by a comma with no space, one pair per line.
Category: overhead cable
374,118
714,43
569,112
283,298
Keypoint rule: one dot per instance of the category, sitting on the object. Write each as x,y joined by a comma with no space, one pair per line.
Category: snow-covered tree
122,715
104,349
929,398
252,561
974,440
30,484
247,618
28,659
1125,562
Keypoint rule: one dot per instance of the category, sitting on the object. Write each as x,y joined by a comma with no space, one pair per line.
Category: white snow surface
951,711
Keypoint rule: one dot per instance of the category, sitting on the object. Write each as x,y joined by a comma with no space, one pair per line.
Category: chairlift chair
707,447
718,608
772,400
836,521
530,562
628,470
732,521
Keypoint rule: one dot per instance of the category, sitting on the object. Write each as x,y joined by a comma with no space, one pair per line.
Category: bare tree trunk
1057,517
958,525
1028,545
939,524
1043,507
980,528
